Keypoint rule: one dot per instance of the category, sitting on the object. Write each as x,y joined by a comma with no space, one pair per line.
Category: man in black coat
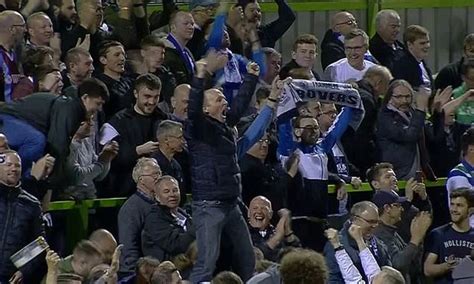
384,45
303,56
178,57
168,229
269,33
215,172
450,75
371,88
20,217
134,129
332,46
411,66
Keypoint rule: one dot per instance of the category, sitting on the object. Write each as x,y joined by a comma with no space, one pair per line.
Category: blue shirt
445,241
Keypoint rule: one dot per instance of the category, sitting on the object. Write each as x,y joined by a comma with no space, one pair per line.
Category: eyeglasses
371,222
398,97
310,128
266,141
348,22
153,175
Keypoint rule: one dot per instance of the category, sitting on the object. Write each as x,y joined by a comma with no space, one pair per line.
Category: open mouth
224,112
259,218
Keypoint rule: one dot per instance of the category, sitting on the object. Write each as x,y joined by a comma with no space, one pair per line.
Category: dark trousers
212,219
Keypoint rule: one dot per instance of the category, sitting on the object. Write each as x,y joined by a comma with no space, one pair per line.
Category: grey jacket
405,257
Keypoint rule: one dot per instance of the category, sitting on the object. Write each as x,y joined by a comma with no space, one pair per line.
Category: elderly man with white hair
384,45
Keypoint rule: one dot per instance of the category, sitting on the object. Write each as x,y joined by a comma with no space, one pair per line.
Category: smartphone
419,176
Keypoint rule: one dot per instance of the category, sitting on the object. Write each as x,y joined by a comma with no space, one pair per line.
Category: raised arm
337,129
204,67
241,102
260,124
273,31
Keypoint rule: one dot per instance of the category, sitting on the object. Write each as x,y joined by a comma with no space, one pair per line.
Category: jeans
211,220
28,141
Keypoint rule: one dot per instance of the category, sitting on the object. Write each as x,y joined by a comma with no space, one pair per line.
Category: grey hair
383,15
167,127
142,163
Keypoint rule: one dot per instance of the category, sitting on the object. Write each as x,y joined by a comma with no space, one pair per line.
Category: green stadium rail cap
117,202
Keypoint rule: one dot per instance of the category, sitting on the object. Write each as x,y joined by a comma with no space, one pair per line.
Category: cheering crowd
225,154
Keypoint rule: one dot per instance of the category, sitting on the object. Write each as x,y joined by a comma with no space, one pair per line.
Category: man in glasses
264,176
300,139
406,257
338,163
354,65
365,216
332,46
131,217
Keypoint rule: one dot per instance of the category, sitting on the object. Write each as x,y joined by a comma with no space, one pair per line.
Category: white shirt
341,71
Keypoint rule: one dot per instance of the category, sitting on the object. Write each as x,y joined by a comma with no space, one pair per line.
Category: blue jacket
310,199
213,146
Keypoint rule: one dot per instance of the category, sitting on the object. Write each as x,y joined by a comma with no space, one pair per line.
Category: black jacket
332,49
285,70
212,145
407,68
268,34
176,65
57,117
20,224
134,130
384,53
444,147
450,75
121,93
197,44
267,179
260,242
162,237
398,140
363,140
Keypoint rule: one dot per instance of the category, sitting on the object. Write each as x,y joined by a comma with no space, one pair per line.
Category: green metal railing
77,225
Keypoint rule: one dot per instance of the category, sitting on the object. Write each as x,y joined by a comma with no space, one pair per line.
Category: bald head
12,28
105,242
261,199
40,28
215,104
343,22
182,26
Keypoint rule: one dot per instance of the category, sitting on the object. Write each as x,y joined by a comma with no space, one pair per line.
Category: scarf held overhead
325,92
299,91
